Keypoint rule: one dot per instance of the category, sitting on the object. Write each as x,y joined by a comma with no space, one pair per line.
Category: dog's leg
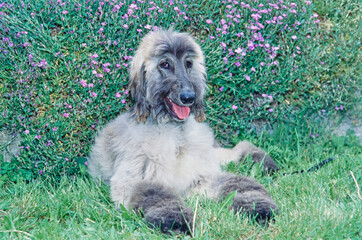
243,149
161,207
251,197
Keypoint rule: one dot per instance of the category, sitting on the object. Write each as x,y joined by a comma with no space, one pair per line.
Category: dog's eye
165,65
188,64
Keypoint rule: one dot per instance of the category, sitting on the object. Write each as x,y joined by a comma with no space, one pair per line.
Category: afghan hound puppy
160,150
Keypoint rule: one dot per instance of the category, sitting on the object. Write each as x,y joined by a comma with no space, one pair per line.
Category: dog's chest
181,155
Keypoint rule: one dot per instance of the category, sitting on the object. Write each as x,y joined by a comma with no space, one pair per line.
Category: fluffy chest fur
176,155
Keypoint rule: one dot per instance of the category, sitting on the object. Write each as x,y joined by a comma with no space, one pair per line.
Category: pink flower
66,115
118,95
247,77
65,12
209,21
221,89
238,50
54,129
93,94
100,30
234,107
123,101
270,110
294,37
26,131
126,92
125,26
84,44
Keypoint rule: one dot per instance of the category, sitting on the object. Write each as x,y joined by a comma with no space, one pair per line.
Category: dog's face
168,78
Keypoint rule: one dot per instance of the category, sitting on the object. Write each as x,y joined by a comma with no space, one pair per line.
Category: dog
161,150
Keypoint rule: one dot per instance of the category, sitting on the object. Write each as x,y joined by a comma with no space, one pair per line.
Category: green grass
316,205
48,84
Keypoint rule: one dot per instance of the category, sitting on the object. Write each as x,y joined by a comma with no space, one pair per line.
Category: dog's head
168,78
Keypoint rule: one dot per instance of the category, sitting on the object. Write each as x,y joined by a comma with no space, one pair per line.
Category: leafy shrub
64,68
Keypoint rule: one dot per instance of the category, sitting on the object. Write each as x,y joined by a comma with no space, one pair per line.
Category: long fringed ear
199,105
200,114
137,86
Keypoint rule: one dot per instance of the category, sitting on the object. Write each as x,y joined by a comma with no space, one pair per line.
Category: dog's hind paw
255,205
170,220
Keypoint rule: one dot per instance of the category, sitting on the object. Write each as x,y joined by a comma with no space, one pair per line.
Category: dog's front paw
261,156
174,219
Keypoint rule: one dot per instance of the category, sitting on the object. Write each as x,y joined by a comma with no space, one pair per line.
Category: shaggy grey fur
161,150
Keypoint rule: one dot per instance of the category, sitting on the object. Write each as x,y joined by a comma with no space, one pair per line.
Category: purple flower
341,107
209,21
40,172
95,55
83,82
221,89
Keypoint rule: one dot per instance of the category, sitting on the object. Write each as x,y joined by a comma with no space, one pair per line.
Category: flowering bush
64,68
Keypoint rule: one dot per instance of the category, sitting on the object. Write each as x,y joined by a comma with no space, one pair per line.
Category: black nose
187,97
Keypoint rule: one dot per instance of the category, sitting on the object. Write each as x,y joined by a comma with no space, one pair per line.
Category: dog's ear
199,105
137,86
200,113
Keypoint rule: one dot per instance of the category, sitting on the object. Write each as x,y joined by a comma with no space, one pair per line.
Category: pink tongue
181,112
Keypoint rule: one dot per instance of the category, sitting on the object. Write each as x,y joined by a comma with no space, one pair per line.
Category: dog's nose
187,97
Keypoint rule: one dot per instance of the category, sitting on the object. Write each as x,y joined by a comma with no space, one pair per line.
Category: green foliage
64,69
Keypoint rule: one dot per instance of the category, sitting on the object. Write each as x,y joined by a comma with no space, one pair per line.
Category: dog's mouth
181,112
